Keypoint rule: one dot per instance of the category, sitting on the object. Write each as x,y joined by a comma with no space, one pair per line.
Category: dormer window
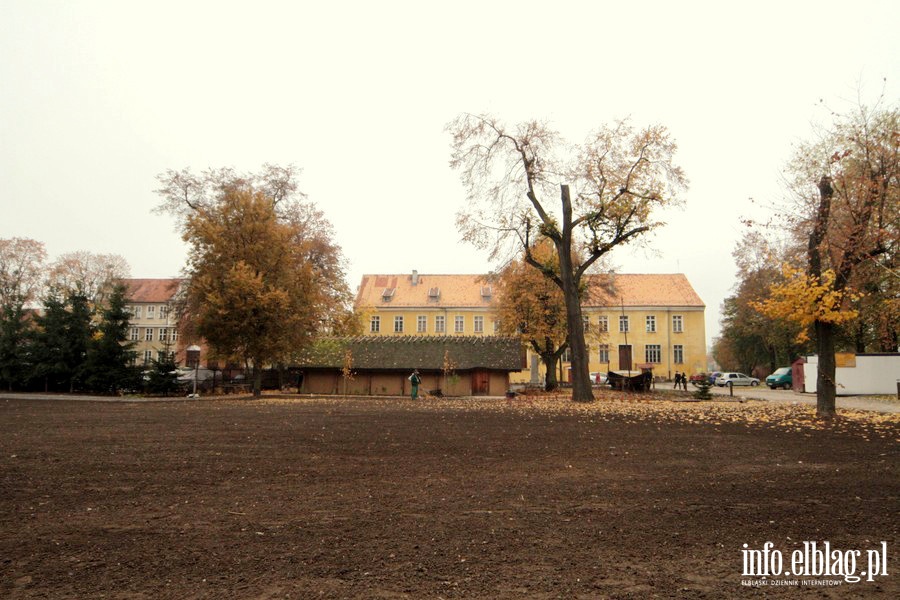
434,293
486,292
387,294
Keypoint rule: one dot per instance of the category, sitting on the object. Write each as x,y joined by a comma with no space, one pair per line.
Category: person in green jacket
415,380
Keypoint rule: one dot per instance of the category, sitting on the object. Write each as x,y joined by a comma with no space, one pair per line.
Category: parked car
696,378
781,378
736,379
599,378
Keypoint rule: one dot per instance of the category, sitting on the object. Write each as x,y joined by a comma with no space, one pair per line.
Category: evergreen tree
109,355
61,341
162,378
702,391
14,342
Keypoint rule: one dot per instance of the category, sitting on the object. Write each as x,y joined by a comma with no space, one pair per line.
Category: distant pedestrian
684,380
677,380
415,380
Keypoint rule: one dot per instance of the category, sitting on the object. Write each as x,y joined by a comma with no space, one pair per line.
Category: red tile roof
429,290
151,290
670,289
466,291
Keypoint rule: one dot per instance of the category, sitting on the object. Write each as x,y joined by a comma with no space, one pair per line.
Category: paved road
876,403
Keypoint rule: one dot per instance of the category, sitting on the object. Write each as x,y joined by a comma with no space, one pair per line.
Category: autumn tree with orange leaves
264,276
532,307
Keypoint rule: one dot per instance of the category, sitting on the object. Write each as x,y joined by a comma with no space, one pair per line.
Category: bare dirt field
377,498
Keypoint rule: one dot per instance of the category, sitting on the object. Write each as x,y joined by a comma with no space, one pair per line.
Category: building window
604,353
135,335
678,353
603,324
677,323
138,311
174,335
375,324
459,324
163,334
652,353
421,324
566,356
479,324
586,321
163,311
623,324
151,312
161,355
651,324
440,324
398,324
496,326
148,335
148,356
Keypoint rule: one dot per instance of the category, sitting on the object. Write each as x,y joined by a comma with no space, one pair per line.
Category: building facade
631,320
154,327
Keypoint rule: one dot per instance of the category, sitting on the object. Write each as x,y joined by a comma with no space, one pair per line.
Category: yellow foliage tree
805,299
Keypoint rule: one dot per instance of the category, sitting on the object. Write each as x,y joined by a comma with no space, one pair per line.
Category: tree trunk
581,379
826,386
551,382
257,381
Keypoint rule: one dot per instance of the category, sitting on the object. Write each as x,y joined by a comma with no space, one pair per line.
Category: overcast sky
98,97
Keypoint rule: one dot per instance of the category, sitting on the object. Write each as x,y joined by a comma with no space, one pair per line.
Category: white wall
873,374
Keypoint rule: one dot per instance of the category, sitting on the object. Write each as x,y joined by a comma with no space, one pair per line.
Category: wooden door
481,383
624,358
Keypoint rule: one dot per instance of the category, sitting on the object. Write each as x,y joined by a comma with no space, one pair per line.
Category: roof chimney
415,277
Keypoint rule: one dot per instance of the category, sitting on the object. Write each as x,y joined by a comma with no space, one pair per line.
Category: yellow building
632,320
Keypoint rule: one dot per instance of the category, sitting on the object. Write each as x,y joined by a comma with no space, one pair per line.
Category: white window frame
148,334
138,311
678,354
421,324
624,324
135,334
375,324
650,350
650,321
398,324
478,324
603,324
603,355
151,312
677,324
440,324
459,324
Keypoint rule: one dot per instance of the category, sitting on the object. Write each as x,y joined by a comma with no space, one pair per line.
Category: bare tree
91,275
608,188
21,270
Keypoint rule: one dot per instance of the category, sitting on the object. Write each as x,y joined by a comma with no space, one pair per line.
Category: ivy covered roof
426,353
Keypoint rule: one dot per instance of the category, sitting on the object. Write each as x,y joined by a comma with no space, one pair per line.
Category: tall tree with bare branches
608,189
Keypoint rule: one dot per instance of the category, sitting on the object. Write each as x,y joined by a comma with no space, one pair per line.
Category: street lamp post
193,360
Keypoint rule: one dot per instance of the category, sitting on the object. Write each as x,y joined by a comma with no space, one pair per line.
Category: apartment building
154,327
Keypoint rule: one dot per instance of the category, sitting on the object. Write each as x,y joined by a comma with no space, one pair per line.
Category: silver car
736,379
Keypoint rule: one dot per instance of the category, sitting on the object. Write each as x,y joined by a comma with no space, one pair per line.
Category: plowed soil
378,498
